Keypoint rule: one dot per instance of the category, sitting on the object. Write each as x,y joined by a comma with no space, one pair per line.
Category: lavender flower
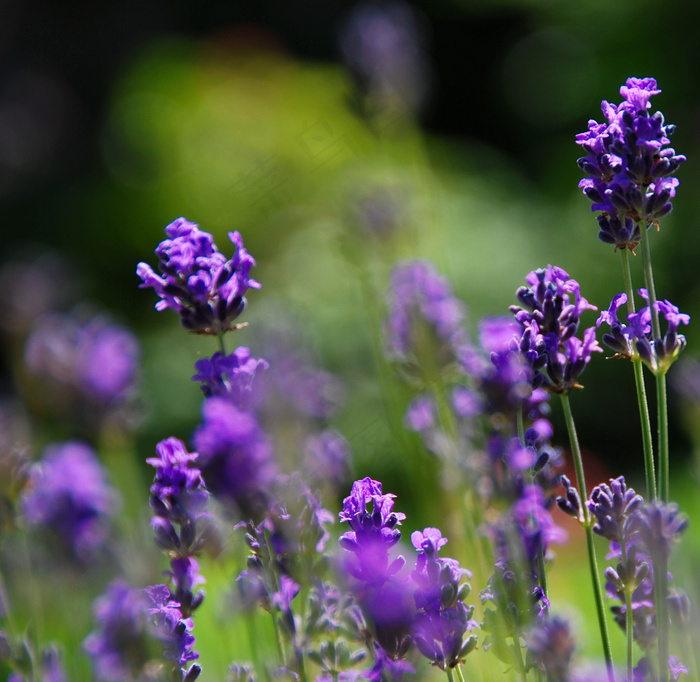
418,296
550,319
198,282
383,593
235,457
98,359
178,498
382,47
327,457
657,354
443,618
551,647
118,645
629,165
68,493
372,532
230,376
172,629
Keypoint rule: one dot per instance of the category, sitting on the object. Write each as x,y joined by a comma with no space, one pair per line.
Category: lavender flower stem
222,343
661,397
460,675
450,676
649,277
592,560
649,469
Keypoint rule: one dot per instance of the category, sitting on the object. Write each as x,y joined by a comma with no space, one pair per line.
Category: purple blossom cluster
658,354
549,313
629,165
197,281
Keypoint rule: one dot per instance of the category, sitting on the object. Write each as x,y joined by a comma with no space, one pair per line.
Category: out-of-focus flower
118,645
231,376
383,47
235,457
98,359
198,282
68,493
421,300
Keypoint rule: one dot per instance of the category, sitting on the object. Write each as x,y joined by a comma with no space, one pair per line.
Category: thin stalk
222,343
592,560
642,402
460,675
661,397
450,676
629,627
649,279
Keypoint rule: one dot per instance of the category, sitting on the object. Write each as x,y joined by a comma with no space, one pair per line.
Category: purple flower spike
629,165
198,282
549,315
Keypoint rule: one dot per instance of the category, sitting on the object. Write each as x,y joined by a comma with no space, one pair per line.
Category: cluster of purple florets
629,165
549,313
657,353
197,281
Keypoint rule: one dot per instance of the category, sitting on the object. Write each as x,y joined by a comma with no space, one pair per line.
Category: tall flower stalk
549,314
630,167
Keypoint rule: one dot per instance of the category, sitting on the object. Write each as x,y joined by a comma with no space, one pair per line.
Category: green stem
592,560
642,401
649,468
458,669
662,403
649,278
450,676
222,343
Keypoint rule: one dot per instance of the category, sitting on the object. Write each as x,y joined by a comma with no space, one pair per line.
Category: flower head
629,165
197,281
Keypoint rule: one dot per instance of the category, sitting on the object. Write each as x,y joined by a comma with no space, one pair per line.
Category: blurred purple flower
235,457
96,358
418,295
231,376
68,493
383,47
118,646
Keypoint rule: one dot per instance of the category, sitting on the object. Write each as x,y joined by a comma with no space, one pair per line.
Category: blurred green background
116,118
